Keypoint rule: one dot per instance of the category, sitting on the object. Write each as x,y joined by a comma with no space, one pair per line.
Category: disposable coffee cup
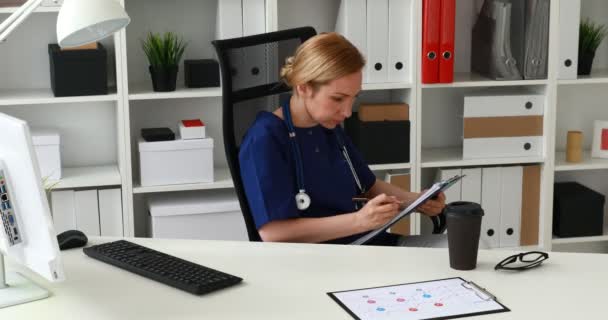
464,226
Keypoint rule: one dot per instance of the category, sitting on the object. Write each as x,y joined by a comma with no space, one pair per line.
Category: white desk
290,281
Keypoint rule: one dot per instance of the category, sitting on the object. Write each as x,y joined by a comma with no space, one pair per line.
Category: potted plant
164,53
590,37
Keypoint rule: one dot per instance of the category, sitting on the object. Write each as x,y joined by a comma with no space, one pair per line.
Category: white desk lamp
79,21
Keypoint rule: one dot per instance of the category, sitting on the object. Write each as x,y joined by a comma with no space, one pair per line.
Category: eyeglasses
522,261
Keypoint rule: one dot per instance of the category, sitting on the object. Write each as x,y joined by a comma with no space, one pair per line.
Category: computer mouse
71,239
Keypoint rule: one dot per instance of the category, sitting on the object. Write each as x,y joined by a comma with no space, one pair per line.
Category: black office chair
250,83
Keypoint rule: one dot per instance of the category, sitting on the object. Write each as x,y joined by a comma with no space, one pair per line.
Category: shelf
386,86
87,177
223,180
452,157
603,237
588,163
45,96
390,166
39,9
471,80
143,91
596,76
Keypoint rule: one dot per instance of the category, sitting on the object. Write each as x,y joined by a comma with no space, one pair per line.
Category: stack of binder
510,198
381,30
438,23
510,39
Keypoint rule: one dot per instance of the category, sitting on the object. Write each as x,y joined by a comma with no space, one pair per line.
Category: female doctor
301,172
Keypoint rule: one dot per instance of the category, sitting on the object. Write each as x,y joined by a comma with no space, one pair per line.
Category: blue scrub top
268,171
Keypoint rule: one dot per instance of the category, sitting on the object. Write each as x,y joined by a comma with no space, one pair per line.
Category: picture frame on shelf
599,148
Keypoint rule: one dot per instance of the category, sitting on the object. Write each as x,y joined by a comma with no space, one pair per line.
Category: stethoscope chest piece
302,200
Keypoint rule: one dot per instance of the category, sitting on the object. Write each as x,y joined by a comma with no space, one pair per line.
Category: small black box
78,72
380,142
202,73
157,134
577,211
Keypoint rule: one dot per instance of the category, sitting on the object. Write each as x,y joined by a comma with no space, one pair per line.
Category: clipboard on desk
437,299
433,191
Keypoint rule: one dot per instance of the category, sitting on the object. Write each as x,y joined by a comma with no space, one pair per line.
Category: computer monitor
27,236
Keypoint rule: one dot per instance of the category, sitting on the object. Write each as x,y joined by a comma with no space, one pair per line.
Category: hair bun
287,69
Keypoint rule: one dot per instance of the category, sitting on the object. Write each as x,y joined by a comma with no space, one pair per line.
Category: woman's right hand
377,212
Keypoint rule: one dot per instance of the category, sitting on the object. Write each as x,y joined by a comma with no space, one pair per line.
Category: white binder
64,216
453,193
377,42
569,22
352,23
87,212
502,147
229,19
503,105
471,185
255,66
399,38
110,212
510,204
491,189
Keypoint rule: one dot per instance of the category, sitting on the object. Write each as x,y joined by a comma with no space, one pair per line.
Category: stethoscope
302,198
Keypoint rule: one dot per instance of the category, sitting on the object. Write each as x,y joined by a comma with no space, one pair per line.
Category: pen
364,200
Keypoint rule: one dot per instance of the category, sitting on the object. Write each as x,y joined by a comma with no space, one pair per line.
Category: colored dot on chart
413,309
380,309
365,297
392,292
438,304
400,300
371,301
418,289
426,295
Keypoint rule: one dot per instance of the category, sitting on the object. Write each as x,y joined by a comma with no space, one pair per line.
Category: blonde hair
321,59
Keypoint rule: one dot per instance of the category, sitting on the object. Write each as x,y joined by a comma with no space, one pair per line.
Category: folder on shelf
399,38
431,14
446,41
352,23
87,212
62,208
491,186
110,212
255,64
401,180
569,22
537,39
454,193
510,206
491,42
471,185
530,205
229,21
377,42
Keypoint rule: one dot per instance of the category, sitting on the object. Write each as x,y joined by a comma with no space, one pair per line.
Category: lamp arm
16,18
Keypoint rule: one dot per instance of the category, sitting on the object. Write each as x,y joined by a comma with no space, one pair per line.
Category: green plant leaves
591,35
163,51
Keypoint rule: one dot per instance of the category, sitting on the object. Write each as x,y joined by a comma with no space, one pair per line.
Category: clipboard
436,299
433,191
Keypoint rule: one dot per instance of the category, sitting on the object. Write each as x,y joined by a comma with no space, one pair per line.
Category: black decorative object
164,52
577,211
380,142
157,134
78,72
591,35
201,73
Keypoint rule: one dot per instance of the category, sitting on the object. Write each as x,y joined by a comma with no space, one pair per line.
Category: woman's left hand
433,207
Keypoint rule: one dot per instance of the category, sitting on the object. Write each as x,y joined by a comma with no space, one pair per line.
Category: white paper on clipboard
436,299
430,193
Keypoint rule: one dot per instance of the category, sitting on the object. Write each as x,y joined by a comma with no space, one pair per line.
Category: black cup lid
460,208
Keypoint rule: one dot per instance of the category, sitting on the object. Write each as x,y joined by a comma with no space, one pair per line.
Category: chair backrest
250,83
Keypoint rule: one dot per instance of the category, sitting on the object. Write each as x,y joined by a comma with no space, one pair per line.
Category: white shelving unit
435,109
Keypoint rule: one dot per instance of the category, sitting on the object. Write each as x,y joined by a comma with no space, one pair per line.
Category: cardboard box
176,161
208,215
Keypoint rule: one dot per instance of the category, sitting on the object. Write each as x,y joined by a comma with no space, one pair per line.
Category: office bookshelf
101,132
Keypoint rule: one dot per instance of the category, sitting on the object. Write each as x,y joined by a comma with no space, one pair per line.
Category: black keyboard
161,267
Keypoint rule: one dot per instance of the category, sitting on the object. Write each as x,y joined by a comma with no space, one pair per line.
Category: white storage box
209,215
192,129
176,161
47,145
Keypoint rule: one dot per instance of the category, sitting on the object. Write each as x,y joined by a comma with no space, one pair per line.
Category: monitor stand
16,289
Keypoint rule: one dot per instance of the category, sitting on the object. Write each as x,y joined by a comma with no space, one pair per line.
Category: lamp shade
84,21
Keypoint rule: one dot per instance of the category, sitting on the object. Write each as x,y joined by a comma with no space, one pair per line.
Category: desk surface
290,281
